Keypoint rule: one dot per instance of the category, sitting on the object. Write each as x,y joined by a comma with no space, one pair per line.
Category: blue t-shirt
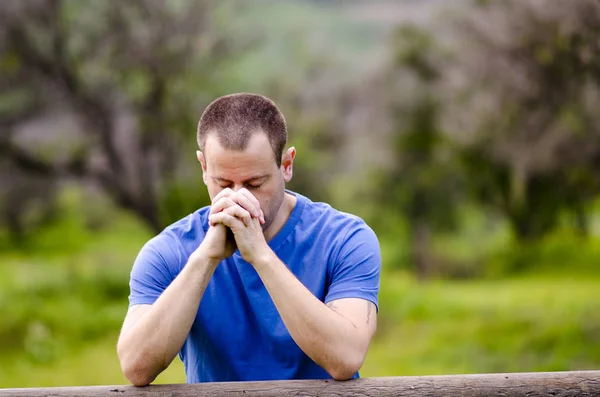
238,333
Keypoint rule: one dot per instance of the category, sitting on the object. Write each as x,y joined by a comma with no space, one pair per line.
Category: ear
287,162
202,161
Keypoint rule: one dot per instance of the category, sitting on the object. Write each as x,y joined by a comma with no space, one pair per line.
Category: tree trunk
420,245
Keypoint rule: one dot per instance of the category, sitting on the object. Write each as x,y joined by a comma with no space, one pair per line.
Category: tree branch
24,160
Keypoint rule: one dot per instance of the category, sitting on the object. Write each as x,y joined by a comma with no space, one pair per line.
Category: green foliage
527,324
314,146
182,197
483,245
413,49
69,287
562,252
422,184
524,155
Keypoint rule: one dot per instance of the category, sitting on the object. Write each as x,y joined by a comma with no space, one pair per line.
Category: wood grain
547,384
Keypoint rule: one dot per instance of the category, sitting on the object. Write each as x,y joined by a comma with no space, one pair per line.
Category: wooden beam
555,384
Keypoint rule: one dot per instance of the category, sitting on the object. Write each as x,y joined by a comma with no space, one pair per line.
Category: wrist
200,260
264,259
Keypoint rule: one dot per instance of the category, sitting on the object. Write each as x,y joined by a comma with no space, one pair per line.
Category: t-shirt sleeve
356,271
152,271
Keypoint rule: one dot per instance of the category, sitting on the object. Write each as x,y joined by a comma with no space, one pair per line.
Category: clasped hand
240,213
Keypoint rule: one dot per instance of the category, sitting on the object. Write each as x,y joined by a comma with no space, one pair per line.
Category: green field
63,301
515,325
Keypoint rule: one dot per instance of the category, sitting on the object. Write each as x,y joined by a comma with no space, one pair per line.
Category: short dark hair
234,118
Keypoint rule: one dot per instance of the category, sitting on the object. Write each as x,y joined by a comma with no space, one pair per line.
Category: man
263,284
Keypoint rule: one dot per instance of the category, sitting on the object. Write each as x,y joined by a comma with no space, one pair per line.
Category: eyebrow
253,179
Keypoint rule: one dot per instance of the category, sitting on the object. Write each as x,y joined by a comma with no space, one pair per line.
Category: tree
522,95
421,182
133,76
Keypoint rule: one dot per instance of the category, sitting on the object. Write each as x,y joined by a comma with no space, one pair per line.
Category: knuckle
221,194
225,193
247,204
222,204
241,197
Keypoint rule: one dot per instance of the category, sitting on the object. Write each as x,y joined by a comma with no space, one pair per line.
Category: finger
221,204
246,193
257,220
226,219
240,213
248,205
227,192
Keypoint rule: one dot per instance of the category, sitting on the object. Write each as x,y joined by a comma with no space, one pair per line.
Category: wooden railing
547,384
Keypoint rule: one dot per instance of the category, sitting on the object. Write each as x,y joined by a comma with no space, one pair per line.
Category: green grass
440,327
68,286
531,323
63,299
95,364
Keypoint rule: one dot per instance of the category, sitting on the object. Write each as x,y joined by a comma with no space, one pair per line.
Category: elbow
136,374
137,379
343,372
346,369
134,369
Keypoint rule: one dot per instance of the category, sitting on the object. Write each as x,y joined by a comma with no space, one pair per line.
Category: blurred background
466,133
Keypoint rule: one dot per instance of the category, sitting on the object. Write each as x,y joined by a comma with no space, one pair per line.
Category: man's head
235,118
242,139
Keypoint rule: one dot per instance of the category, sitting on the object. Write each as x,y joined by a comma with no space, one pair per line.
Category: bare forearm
328,338
148,346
